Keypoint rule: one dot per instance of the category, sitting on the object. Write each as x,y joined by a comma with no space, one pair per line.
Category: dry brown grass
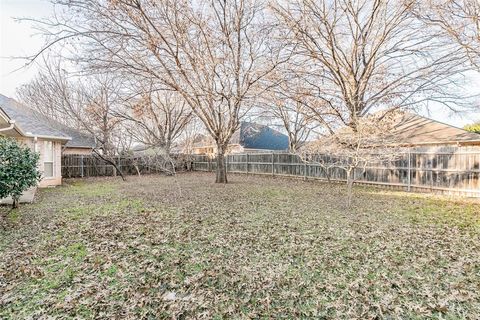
184,247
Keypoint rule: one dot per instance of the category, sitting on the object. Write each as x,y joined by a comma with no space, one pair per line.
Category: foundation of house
26,197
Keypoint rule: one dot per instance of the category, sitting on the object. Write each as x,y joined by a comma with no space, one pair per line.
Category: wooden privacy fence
452,170
78,166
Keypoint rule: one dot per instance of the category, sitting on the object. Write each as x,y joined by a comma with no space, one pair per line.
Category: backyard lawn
259,247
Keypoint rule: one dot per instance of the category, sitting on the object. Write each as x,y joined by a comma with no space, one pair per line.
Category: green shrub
474,127
18,169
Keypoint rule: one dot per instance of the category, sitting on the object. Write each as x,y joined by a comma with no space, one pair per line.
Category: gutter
12,125
31,135
457,143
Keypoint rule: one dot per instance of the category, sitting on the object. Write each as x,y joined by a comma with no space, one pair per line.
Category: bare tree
459,19
367,55
373,141
158,119
287,101
97,112
193,133
215,54
88,103
47,92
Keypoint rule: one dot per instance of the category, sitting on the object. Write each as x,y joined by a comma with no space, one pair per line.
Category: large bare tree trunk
293,145
221,171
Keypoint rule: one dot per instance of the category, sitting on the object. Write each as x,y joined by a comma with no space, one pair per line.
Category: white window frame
45,143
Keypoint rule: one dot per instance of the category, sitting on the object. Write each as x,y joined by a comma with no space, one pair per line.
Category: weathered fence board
454,170
77,166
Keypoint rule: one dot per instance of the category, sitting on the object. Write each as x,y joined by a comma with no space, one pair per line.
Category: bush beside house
18,169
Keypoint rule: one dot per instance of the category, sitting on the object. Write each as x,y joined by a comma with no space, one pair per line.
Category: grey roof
79,139
33,123
258,136
4,116
254,136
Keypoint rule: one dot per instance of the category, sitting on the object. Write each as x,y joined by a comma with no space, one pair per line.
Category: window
48,157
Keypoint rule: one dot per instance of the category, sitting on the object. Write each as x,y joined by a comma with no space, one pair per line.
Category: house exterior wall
249,150
81,151
39,146
212,149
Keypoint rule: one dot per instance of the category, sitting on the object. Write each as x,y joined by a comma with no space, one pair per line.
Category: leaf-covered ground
182,247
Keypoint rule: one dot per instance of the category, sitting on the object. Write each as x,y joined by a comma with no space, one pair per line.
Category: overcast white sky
19,39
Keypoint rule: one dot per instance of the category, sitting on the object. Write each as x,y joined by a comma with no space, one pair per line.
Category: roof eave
81,147
437,143
4,116
31,135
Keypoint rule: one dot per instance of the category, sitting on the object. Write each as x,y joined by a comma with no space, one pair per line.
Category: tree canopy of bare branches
368,55
288,102
157,119
215,54
87,104
459,19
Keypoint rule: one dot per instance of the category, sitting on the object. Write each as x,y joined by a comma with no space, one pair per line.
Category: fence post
409,178
81,167
119,163
247,161
273,164
305,166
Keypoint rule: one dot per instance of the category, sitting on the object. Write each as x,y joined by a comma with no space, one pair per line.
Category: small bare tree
192,134
158,119
48,92
373,141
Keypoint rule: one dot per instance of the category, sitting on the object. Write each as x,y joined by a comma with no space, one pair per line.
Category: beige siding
57,163
83,151
212,150
39,147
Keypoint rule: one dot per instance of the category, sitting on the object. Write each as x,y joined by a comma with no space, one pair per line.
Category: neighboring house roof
258,136
79,139
146,150
199,138
34,124
255,136
413,129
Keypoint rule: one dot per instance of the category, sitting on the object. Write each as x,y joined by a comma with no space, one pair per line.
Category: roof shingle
414,129
34,123
253,136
